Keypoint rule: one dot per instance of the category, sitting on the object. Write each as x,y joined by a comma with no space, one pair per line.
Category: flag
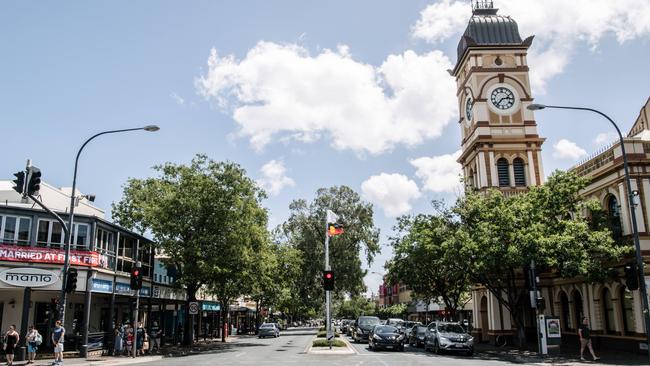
334,229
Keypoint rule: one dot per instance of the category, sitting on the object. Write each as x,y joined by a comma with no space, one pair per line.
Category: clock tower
500,145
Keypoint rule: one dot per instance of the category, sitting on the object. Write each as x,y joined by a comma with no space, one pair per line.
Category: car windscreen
385,329
267,326
451,328
421,329
368,321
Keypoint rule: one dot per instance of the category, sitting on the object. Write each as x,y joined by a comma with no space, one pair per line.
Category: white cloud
274,177
439,173
282,91
559,27
177,98
565,149
392,192
605,138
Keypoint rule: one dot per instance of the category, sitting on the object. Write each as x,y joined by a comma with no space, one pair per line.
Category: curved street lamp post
70,231
630,196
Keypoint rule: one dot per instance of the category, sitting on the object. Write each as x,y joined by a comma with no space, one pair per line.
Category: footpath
566,356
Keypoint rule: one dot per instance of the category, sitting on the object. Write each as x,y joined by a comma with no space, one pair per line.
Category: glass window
81,237
10,228
56,236
608,311
24,227
43,230
504,174
520,172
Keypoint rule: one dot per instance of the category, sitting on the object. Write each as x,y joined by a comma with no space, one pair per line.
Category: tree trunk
225,309
188,337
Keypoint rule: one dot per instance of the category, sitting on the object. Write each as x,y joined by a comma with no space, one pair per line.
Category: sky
302,94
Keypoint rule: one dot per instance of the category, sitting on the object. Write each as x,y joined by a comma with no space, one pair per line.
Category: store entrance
43,321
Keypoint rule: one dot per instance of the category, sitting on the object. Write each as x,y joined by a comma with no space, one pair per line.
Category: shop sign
145,291
210,306
122,288
28,277
156,291
102,286
17,253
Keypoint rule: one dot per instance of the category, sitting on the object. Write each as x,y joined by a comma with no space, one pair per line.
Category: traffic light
33,180
136,278
631,277
541,303
20,182
328,280
71,280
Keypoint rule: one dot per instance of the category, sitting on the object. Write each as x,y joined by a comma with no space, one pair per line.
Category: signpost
194,308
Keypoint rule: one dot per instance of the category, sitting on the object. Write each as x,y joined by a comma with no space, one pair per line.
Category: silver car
268,330
443,336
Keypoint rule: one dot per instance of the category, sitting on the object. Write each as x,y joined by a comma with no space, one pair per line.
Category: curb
349,350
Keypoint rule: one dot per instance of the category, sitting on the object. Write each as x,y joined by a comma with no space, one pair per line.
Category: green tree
425,260
208,220
393,311
501,236
305,231
354,307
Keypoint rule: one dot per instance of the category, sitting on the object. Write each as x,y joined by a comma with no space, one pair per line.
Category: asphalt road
290,349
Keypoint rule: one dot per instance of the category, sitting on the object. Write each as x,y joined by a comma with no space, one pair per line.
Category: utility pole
330,335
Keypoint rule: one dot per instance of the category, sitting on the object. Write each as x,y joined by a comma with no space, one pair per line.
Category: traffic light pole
330,335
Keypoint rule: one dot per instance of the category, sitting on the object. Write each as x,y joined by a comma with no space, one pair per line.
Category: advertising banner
18,253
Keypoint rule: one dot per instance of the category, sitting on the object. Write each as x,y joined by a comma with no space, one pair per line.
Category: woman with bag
34,339
118,347
11,340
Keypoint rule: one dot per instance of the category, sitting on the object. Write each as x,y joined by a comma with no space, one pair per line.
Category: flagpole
327,292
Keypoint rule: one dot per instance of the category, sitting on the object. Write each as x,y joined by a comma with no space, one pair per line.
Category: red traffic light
136,273
328,275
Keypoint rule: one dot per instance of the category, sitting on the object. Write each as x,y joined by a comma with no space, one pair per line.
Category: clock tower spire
500,147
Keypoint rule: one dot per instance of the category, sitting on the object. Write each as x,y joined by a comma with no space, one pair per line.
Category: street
290,348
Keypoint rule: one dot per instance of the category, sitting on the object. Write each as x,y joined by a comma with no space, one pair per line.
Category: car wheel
470,352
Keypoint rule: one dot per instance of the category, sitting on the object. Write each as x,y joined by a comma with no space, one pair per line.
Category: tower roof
487,29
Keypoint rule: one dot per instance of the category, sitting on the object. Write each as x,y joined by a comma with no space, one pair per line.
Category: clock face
502,98
468,109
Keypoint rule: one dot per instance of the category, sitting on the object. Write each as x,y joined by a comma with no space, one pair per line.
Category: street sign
194,308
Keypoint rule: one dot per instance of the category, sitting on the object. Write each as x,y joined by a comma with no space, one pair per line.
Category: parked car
268,330
386,337
408,325
416,335
444,336
363,326
345,324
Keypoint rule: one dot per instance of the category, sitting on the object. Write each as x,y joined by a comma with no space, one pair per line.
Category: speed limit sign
194,308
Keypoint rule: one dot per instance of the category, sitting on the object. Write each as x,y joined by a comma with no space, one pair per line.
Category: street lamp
630,196
68,242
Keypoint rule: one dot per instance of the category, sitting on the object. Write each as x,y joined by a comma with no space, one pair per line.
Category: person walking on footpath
58,338
34,339
118,341
154,337
585,340
140,334
11,340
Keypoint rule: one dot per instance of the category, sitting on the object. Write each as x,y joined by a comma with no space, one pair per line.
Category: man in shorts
58,337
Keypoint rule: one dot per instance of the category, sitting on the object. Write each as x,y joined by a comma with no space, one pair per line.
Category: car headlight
470,340
400,337
376,337
444,340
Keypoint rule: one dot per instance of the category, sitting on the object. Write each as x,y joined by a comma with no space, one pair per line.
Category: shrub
323,334
324,343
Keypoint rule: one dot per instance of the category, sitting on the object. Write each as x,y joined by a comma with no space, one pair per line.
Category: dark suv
362,327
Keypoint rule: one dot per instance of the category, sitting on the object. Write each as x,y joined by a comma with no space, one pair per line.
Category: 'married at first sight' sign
28,277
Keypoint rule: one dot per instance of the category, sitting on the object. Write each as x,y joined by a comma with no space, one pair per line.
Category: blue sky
297,87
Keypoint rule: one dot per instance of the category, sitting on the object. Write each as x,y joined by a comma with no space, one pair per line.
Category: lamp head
536,107
151,128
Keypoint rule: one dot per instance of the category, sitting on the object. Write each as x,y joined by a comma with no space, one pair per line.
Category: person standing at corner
585,340
154,334
58,338
34,340
11,340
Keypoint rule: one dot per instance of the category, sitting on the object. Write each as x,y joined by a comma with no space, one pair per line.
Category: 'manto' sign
28,277
17,253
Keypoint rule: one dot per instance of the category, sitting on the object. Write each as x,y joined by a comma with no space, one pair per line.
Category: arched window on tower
471,179
614,217
502,170
520,172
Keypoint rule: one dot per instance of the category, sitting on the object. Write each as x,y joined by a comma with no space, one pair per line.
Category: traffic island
320,346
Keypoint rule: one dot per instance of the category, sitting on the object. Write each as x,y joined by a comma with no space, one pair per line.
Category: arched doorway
484,319
577,309
627,310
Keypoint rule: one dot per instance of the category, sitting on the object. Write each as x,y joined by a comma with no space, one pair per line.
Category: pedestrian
34,339
585,340
58,338
154,337
139,338
11,340
118,342
129,340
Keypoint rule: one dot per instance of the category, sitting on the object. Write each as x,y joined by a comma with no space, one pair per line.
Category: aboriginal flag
334,229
